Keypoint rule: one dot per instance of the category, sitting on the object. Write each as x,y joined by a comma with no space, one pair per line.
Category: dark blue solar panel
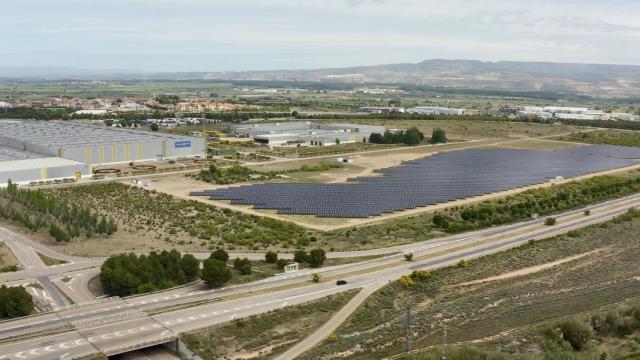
431,180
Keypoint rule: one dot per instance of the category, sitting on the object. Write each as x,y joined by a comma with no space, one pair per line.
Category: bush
220,255
281,263
215,273
315,277
463,263
438,136
15,302
406,281
550,221
420,275
243,266
575,333
301,256
271,257
129,274
317,257
408,256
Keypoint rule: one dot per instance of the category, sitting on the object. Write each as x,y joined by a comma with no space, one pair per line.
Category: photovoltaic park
434,179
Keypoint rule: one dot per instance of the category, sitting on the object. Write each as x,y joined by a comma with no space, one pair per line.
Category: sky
236,35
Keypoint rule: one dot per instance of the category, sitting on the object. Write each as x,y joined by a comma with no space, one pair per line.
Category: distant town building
380,109
435,110
564,112
304,133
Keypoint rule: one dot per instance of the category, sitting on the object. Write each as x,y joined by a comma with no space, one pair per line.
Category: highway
116,324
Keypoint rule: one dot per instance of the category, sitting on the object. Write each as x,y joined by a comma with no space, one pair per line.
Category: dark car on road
341,282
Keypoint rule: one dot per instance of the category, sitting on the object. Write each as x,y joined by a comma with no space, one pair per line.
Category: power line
409,332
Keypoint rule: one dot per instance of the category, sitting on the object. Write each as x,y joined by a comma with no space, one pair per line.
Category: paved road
121,322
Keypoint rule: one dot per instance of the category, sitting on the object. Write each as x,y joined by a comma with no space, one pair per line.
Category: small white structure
345,160
291,267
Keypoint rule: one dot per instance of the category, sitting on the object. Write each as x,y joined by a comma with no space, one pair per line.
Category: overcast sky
217,35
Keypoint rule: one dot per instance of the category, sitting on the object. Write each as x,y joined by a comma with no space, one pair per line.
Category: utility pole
443,356
409,334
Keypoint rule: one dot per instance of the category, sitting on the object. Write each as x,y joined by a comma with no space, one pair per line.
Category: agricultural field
278,330
610,137
489,299
474,129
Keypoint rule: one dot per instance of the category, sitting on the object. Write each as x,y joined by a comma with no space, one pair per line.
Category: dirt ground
6,256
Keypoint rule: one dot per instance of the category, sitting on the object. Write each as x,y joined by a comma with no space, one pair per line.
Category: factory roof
70,134
10,154
38,163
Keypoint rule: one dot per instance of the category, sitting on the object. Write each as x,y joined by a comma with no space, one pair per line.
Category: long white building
46,150
305,133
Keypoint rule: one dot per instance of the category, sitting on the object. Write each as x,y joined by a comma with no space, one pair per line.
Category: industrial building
46,150
435,110
304,133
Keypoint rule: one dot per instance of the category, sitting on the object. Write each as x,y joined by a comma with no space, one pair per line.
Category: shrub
215,273
281,263
243,266
220,255
575,333
550,221
317,257
408,256
406,281
15,302
271,257
301,256
315,277
128,274
420,275
463,263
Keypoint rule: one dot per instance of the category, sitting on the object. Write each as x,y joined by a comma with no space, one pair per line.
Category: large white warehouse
60,149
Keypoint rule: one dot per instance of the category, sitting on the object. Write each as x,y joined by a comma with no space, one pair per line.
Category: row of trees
129,274
15,302
411,136
37,209
315,258
537,201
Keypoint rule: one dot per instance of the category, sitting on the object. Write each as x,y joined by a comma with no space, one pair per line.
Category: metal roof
39,163
68,134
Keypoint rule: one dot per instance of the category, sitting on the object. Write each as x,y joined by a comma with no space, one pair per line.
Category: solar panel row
431,180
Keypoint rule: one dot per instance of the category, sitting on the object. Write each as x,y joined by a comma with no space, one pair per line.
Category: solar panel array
431,180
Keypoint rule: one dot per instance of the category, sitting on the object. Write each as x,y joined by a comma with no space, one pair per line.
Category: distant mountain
585,79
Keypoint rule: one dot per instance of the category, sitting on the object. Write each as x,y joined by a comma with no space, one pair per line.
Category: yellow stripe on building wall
127,152
43,174
164,149
88,154
138,151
